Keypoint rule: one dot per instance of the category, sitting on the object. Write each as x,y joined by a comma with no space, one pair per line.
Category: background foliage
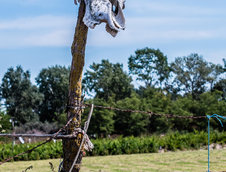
122,145
187,86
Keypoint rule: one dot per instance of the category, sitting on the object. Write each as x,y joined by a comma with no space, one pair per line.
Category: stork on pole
91,13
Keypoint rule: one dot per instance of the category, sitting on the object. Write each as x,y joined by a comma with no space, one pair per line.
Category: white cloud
54,38
159,23
37,31
159,29
191,8
25,2
58,31
38,22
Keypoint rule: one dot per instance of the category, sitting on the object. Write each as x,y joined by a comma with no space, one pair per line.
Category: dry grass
187,161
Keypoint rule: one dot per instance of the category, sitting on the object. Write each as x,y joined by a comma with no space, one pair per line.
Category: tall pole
71,146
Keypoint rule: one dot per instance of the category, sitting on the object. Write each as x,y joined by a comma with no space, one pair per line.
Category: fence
57,135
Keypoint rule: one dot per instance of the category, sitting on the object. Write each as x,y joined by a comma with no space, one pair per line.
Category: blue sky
36,33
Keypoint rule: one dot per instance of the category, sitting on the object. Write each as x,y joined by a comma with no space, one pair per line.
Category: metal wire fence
57,135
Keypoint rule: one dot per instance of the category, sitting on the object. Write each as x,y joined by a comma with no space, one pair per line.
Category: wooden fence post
97,12
70,146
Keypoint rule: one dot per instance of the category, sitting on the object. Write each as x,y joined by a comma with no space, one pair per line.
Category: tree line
188,86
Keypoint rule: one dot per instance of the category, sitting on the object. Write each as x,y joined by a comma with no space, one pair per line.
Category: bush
127,145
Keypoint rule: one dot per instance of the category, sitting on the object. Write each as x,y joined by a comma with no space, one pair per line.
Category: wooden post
70,146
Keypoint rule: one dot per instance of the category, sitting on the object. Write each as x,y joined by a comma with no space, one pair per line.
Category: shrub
126,145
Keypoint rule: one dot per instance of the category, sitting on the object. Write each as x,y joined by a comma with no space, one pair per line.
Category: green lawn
186,161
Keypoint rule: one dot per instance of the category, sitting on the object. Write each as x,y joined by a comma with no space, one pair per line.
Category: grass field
186,161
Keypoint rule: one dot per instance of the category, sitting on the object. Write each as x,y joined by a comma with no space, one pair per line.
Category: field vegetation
121,145
180,161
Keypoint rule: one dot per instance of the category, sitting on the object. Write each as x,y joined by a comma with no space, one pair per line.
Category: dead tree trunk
70,146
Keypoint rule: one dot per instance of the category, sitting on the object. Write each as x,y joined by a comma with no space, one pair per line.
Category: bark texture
70,146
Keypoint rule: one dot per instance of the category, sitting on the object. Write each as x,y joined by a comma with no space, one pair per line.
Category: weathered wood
70,147
84,136
40,136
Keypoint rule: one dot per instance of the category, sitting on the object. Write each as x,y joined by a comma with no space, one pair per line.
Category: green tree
108,80
193,74
156,100
216,71
212,103
4,122
184,106
128,123
224,60
208,103
150,66
53,84
102,122
221,86
20,96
